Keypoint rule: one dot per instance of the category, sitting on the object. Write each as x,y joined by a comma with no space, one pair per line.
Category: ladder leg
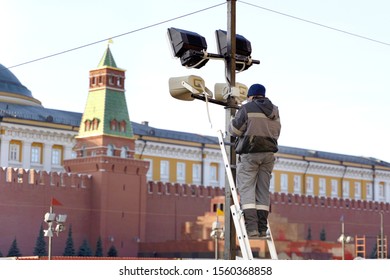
242,236
271,245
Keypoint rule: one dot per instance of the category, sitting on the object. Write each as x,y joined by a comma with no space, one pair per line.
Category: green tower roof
106,111
108,107
107,59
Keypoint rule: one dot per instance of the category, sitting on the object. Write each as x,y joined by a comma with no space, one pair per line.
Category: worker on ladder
257,128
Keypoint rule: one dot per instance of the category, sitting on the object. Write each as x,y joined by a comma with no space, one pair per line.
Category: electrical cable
316,23
207,104
192,13
116,36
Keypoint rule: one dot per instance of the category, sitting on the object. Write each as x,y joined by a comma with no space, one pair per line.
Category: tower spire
107,59
106,115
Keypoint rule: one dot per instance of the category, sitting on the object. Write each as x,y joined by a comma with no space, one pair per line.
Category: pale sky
332,88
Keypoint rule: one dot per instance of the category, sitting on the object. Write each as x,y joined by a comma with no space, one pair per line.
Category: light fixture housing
221,92
183,88
189,46
243,50
49,217
61,218
243,46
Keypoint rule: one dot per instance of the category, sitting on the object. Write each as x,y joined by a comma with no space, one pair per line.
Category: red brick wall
119,203
360,217
169,206
118,200
23,205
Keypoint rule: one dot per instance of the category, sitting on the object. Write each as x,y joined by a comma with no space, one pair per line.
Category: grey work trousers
253,178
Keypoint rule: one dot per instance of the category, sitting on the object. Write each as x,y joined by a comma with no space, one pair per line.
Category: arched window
110,80
83,152
124,152
95,123
114,124
110,150
122,126
87,125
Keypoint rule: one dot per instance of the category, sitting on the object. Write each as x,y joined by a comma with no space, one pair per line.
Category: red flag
55,202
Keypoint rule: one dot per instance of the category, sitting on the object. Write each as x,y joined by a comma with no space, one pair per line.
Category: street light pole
50,235
216,233
342,240
230,232
51,218
191,47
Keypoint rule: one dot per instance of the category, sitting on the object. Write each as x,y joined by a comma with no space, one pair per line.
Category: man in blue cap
257,128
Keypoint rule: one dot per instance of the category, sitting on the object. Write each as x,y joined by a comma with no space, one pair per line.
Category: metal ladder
237,213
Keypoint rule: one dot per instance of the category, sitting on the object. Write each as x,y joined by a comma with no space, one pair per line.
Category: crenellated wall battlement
328,202
27,177
183,190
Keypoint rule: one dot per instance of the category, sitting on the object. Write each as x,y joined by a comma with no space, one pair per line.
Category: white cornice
176,151
155,149
382,175
31,134
290,165
331,170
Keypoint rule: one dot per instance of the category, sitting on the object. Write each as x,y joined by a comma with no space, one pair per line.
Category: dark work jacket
256,126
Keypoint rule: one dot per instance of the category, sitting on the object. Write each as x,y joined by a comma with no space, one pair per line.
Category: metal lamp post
50,218
217,233
343,239
191,48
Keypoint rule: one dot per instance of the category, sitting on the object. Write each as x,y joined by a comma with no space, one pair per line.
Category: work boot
251,223
265,235
262,226
262,216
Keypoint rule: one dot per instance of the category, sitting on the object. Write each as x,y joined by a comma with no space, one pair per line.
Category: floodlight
243,50
59,228
217,230
348,239
221,92
243,46
189,46
48,233
61,218
216,225
49,217
184,87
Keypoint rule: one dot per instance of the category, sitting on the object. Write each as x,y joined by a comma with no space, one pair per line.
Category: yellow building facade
186,158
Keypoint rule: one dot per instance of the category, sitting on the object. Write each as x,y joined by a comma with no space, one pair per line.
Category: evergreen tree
1,255
112,252
69,247
84,250
309,233
14,250
374,252
99,248
40,244
323,235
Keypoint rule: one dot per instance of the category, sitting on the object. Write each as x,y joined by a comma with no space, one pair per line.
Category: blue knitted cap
256,89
